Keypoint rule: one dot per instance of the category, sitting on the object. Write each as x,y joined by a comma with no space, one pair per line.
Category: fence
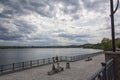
40,62
106,72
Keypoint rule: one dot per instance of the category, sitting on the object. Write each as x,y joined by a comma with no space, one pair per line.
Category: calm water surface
18,55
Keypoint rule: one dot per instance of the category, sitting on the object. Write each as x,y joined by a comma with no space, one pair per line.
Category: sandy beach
79,70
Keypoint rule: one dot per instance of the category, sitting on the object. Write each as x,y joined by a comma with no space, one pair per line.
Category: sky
55,22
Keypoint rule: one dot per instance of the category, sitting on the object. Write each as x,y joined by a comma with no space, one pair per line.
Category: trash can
67,65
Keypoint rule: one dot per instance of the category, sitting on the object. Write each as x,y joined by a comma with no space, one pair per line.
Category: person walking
56,58
53,59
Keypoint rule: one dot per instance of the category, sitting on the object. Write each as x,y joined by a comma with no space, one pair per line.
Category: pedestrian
53,67
53,60
56,58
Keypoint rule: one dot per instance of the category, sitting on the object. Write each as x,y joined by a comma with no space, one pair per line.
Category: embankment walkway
79,70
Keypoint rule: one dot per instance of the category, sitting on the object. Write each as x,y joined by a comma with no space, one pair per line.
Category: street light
112,23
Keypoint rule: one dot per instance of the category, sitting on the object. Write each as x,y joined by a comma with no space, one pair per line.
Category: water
8,56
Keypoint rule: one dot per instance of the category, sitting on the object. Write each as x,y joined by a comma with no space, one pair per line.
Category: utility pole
112,11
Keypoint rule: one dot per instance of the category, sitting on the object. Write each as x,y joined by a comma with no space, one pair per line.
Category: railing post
38,62
114,68
43,61
74,58
60,58
105,72
1,68
71,58
13,66
30,63
63,58
79,57
22,65
48,60
66,58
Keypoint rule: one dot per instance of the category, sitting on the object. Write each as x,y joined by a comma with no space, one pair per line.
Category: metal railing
106,72
40,62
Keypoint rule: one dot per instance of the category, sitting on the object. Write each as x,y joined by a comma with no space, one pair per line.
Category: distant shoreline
22,47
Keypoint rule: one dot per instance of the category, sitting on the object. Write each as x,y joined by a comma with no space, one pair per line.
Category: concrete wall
116,56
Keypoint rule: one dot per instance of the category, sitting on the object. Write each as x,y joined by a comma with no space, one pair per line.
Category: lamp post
112,11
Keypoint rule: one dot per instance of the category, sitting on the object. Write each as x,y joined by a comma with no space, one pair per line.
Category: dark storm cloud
117,24
79,38
44,42
70,3
22,6
117,33
96,5
3,29
8,37
23,29
4,16
12,8
73,36
44,8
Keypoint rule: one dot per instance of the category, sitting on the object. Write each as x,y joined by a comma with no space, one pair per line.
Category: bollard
67,65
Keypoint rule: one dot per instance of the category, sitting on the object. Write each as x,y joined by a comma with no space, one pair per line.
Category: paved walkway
80,70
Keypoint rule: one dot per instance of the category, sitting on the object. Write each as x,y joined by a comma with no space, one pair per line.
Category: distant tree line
21,47
106,44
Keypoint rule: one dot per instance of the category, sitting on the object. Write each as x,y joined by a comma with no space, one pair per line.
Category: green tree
106,44
118,42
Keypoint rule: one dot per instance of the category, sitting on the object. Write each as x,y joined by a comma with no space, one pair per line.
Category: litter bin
67,65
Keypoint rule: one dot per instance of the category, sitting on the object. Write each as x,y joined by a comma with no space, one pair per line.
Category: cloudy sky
55,22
